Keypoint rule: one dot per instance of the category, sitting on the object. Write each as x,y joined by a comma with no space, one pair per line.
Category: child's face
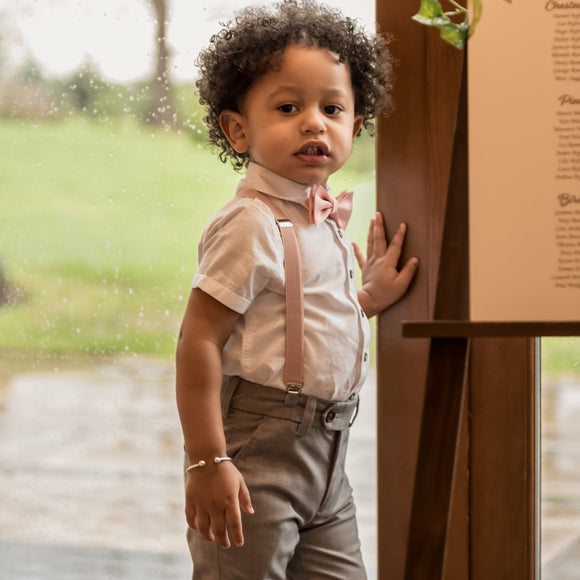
298,121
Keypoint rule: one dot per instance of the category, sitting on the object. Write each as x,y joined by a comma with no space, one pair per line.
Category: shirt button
330,416
351,274
365,357
339,233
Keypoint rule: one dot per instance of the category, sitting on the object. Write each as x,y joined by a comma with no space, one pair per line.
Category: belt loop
355,413
229,385
307,417
292,394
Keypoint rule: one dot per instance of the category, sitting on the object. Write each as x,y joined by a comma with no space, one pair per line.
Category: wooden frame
479,492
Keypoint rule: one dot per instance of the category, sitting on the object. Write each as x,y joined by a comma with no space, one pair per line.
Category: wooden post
414,149
489,530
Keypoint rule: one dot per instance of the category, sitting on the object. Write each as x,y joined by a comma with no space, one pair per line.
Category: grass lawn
561,355
99,227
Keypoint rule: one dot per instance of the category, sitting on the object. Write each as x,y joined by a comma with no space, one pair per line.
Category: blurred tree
162,113
2,45
9,292
26,94
4,288
30,71
86,87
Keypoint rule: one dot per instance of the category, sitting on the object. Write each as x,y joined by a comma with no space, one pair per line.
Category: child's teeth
312,151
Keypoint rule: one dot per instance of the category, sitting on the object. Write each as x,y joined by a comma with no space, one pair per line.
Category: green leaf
477,10
428,10
437,21
442,21
431,14
454,34
423,19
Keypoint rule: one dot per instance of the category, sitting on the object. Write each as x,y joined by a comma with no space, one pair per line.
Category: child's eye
332,109
287,108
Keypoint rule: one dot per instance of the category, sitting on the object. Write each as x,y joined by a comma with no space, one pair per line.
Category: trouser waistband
306,411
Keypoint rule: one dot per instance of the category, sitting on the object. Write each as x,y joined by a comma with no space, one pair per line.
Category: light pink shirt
241,265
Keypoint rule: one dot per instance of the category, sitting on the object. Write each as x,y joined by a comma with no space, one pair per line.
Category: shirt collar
265,181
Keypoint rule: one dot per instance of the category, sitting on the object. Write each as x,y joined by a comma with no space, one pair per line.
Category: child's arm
382,283
214,493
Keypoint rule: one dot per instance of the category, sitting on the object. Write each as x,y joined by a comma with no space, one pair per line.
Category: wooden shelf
467,328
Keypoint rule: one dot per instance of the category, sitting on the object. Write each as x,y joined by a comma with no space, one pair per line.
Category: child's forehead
297,62
305,71
304,52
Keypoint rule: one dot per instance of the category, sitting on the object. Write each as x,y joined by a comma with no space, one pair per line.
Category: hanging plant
451,30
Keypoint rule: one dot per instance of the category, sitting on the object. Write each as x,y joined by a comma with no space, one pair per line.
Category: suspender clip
292,394
293,388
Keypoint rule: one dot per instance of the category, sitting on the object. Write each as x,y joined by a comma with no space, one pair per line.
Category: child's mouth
314,149
312,155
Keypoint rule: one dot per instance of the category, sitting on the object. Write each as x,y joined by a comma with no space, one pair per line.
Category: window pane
105,186
560,448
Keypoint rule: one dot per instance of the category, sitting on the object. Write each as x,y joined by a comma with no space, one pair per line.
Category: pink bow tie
322,206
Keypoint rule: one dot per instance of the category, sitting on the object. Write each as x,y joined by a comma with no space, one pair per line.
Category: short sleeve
240,254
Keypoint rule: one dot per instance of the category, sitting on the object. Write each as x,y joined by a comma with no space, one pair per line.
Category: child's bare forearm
198,384
214,493
207,325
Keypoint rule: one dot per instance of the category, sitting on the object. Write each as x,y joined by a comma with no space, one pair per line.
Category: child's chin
310,175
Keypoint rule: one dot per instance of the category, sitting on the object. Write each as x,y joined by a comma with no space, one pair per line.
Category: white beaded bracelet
202,463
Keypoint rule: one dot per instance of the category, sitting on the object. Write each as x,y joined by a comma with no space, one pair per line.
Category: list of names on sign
524,161
566,73
565,52
566,41
567,238
567,129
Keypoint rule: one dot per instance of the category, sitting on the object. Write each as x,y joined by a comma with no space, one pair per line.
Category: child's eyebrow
330,92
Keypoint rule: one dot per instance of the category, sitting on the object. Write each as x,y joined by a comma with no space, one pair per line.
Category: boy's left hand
382,283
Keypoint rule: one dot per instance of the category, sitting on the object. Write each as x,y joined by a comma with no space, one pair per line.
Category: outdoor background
106,183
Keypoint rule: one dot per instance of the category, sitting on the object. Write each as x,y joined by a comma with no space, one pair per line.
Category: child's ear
233,127
357,125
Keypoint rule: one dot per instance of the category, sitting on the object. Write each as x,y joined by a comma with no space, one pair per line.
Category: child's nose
313,121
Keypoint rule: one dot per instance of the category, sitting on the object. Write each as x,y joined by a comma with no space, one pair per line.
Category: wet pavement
560,485
90,481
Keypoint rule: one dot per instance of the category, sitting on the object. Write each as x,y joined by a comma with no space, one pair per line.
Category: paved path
90,482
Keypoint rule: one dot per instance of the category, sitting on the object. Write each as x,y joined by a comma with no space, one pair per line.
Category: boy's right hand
214,496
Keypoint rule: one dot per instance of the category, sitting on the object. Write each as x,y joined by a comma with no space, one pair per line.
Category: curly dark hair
247,48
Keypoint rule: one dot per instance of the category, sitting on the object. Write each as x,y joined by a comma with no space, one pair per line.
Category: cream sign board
524,161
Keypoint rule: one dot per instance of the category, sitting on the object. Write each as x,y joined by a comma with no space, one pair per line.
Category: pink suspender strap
294,367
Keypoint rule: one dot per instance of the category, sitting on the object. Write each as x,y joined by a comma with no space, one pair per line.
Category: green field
99,225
